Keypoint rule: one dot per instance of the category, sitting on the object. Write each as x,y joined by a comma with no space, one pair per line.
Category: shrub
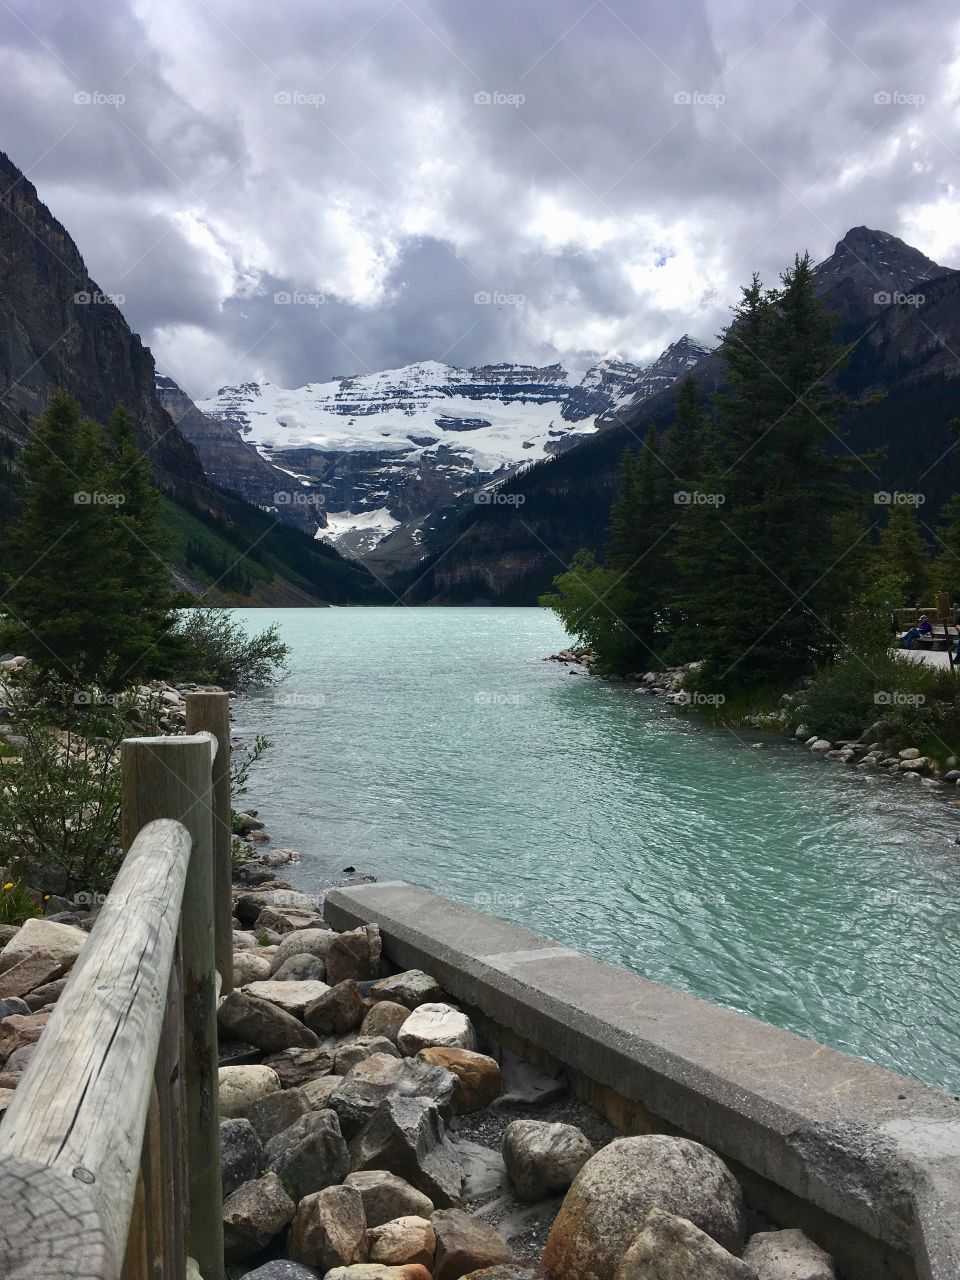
219,651
60,805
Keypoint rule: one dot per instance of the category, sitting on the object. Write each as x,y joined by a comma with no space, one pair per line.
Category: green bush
60,805
219,651
919,703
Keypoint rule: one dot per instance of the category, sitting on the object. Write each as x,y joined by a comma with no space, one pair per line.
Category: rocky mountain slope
59,329
394,453
901,311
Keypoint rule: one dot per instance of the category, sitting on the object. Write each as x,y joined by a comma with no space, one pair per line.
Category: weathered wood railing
109,1151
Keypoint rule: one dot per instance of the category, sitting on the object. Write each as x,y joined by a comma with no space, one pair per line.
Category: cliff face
236,467
58,329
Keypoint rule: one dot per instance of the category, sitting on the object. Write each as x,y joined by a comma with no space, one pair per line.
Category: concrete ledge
809,1126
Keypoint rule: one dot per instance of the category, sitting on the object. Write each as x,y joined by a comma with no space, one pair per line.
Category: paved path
929,657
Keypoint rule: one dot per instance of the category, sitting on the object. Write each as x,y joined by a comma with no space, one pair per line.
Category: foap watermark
86,498
485,899
897,698
296,98
291,698
897,98
97,98
494,498
494,298
94,298
96,698
87,898
688,498
889,298
697,698
687,900
296,498
496,98
694,98
298,298
883,498
486,699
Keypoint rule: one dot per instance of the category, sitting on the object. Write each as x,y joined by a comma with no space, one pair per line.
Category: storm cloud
305,189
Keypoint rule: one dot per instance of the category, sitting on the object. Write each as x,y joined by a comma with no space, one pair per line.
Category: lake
436,746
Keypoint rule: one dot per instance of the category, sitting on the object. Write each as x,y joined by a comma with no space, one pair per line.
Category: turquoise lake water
436,746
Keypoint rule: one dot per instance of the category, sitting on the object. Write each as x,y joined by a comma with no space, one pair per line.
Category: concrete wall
868,1162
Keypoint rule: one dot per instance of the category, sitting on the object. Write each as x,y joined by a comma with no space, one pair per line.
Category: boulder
281,1269
543,1159
13,1004
338,1010
671,1248
378,1271
619,1186
242,1017
403,1240
253,1215
380,1077
351,1055
64,941
329,1229
478,1077
20,1029
290,996
296,1066
241,1153
243,940
411,988
464,1245
304,942
310,1155
406,1136
436,1025
277,1111
385,1019
249,966
283,920
49,993
318,1092
240,1087
37,969
787,1255
301,967
355,954
249,905
386,1197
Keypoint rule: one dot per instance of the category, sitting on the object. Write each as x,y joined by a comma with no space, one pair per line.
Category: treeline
747,534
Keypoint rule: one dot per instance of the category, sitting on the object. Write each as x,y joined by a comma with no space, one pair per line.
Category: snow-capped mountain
388,450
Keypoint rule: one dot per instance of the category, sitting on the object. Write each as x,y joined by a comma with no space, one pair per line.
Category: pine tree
761,555
902,549
83,593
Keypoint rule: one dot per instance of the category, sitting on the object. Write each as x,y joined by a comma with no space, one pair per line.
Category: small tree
903,550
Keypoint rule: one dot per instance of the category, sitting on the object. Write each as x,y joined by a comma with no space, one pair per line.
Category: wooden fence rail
109,1151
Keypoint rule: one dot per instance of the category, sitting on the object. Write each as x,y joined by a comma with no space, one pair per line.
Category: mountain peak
876,261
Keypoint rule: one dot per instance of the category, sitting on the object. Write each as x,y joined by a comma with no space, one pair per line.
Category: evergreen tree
761,555
903,550
83,593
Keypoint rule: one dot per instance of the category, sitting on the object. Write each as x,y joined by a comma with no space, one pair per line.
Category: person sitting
922,631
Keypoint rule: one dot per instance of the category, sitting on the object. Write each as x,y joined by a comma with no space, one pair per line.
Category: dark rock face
241,1153
310,1155
59,329
235,465
406,1136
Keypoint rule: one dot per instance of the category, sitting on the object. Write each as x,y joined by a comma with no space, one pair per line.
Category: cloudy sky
308,188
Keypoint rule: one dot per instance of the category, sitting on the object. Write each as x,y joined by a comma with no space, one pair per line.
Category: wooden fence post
210,713
172,778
